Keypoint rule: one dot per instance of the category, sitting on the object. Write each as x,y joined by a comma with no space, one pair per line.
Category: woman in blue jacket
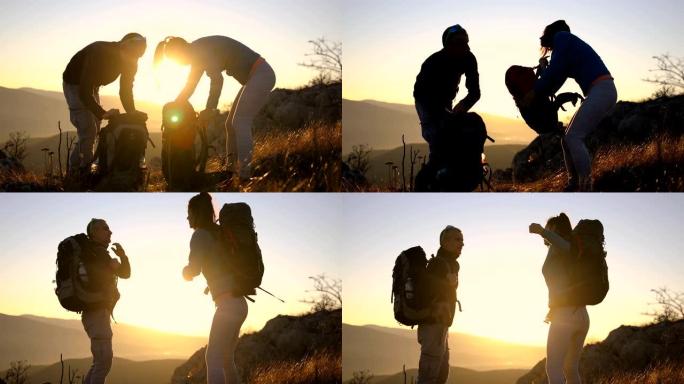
573,58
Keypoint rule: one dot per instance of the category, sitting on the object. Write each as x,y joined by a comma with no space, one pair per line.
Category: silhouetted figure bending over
98,64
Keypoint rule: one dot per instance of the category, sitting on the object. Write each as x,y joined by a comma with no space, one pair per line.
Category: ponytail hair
169,44
203,209
562,226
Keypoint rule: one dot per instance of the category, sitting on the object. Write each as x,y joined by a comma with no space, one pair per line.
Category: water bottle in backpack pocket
408,294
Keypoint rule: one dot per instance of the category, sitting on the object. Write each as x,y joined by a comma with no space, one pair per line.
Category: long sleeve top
571,58
437,82
555,268
207,256
213,55
100,63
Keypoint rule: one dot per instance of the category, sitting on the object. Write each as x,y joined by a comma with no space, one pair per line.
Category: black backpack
120,152
408,287
455,163
244,258
72,276
542,114
180,126
588,268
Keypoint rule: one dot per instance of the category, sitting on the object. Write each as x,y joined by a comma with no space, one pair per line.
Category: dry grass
304,160
321,368
27,181
663,373
657,165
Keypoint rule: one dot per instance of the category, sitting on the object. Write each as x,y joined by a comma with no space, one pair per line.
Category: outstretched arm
552,237
126,87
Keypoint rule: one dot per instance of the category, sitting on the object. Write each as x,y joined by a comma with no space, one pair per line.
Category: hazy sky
297,235
39,37
387,41
501,286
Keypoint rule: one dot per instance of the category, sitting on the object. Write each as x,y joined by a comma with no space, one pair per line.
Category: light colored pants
98,327
249,100
87,127
433,367
600,100
569,327
231,312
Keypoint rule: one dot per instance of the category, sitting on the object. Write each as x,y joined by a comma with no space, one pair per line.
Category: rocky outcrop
626,349
283,338
628,123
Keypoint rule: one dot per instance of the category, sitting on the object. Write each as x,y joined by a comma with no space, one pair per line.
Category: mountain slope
40,340
384,350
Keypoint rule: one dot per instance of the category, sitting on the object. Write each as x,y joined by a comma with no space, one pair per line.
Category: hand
543,63
111,113
536,228
527,100
118,250
208,115
186,274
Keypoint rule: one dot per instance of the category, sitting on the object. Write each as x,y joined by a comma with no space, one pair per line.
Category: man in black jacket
441,284
99,63
102,271
437,83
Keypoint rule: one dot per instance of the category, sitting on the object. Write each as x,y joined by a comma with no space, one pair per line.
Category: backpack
408,288
588,268
244,258
179,130
120,152
542,114
72,276
455,163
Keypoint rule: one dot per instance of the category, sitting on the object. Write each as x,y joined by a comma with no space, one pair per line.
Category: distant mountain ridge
380,125
384,350
40,340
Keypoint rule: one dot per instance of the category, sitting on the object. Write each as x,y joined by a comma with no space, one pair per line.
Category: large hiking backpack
72,276
588,268
120,152
542,114
243,253
408,288
180,128
455,163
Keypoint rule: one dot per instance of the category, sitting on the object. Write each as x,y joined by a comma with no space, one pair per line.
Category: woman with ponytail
206,257
572,58
213,55
569,323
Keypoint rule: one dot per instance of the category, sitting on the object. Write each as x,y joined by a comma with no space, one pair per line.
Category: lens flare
174,118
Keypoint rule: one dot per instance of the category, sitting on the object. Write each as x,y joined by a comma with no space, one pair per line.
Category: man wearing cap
437,83
102,271
441,284
98,64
